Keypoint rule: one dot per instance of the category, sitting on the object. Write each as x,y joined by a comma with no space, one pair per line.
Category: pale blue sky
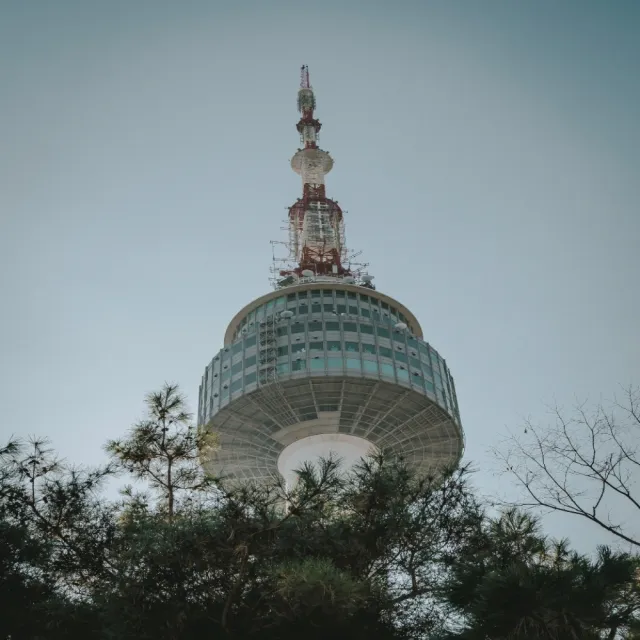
486,154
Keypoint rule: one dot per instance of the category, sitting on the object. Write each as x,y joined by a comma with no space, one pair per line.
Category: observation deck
326,366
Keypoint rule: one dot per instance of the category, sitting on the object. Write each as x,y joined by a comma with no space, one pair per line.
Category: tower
324,363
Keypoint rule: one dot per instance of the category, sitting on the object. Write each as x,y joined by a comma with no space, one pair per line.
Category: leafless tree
587,464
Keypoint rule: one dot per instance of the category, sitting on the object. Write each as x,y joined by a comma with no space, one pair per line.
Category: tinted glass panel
353,363
349,326
334,345
370,366
333,326
386,369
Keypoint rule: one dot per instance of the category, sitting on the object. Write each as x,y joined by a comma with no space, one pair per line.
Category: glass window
225,375
366,328
426,369
368,348
403,374
429,385
334,363
384,305
400,357
414,362
371,366
303,309
298,365
365,313
297,328
364,298
317,364
280,302
349,326
351,346
333,326
316,346
384,351
386,369
236,385
339,294
334,345
249,342
236,368
270,305
282,368
412,342
316,293
250,378
328,308
383,333
423,348
298,348
353,310
351,294
315,325
249,362
341,308
327,293
353,363
291,296
282,331
283,351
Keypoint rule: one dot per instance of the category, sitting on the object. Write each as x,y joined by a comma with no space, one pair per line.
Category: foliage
515,583
379,553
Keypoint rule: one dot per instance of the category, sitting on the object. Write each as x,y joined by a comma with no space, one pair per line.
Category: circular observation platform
326,369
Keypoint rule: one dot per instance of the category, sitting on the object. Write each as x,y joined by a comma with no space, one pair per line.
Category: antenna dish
307,273
400,326
349,279
286,314
367,278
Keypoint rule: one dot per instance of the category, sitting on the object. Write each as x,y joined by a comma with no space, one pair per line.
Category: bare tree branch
581,465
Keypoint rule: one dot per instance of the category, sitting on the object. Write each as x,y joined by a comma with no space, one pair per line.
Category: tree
585,465
515,583
378,553
163,450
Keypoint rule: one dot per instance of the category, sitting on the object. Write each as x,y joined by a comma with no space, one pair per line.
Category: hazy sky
487,155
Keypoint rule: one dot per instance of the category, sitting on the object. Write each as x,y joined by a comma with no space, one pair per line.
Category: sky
486,154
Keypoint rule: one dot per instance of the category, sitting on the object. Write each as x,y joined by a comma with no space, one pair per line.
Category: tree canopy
375,553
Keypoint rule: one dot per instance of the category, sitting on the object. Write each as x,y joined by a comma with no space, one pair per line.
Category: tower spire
316,227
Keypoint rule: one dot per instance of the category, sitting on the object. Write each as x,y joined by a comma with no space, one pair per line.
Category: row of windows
406,348
327,300
331,363
315,326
